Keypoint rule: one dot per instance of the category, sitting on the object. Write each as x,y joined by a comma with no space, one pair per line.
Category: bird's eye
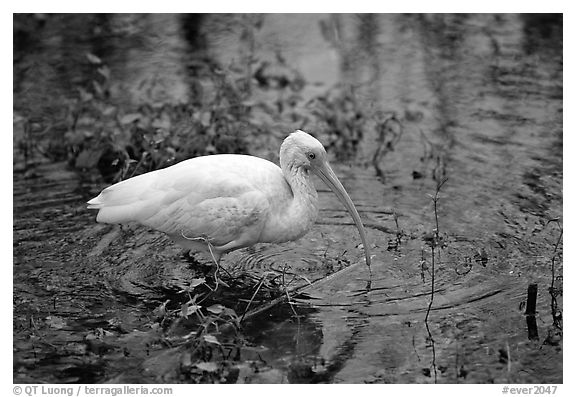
311,156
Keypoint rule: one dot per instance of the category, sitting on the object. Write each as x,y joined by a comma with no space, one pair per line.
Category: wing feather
223,198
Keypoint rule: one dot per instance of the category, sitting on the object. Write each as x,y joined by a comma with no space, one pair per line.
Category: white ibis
228,201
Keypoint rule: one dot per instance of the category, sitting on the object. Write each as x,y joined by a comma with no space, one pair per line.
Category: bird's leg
216,261
215,258
206,241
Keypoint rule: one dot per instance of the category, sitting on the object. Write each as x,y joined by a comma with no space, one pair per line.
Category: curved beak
324,172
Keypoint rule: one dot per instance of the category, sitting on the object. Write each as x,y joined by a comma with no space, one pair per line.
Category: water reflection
457,55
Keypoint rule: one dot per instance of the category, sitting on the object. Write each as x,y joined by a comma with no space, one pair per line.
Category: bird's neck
305,195
300,212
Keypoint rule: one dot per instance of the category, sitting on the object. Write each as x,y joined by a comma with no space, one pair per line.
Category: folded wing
219,198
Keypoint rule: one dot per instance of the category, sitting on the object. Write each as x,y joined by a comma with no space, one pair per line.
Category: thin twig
253,296
433,244
435,199
286,292
432,292
556,318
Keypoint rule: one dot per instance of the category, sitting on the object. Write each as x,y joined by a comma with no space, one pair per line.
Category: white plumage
231,201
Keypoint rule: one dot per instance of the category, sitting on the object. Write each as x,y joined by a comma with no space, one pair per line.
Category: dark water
478,99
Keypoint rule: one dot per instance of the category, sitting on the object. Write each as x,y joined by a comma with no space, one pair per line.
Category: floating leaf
193,284
85,96
163,124
109,110
193,308
160,311
93,59
208,367
188,309
216,309
104,71
98,333
130,118
55,322
211,339
186,360
205,118
184,310
197,281
249,103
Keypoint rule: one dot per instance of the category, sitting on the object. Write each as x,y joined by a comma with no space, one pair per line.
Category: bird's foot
208,269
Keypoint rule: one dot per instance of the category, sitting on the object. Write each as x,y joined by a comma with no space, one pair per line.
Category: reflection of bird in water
228,201
388,134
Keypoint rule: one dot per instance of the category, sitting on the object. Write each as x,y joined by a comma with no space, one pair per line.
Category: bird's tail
95,204
121,202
